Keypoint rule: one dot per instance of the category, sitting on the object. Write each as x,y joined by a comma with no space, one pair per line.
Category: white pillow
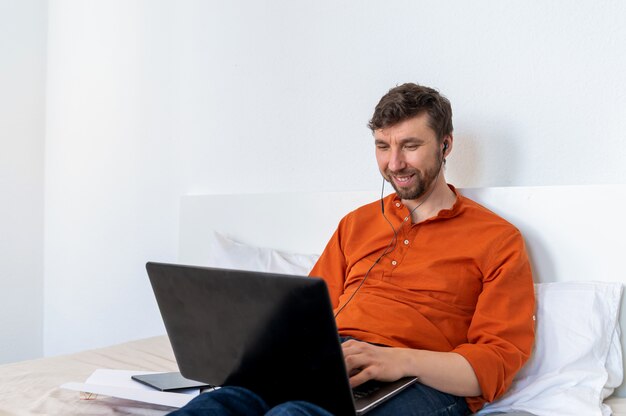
229,254
577,357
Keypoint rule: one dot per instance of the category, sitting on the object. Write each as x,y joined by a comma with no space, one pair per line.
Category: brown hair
409,100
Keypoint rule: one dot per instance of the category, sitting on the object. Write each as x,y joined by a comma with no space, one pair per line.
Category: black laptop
273,334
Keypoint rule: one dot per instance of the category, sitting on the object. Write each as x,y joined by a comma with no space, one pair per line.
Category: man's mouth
402,180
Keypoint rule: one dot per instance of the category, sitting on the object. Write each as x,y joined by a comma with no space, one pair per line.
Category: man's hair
409,100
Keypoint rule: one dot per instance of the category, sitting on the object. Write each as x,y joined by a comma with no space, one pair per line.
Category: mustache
403,172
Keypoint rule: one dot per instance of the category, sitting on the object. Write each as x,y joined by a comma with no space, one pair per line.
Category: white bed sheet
32,387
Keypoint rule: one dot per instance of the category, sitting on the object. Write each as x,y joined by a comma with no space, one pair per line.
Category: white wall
150,100
277,94
22,63
111,176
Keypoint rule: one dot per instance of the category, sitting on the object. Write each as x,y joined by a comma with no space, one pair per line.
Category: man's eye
381,147
411,147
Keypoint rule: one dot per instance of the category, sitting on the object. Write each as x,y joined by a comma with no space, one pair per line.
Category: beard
425,180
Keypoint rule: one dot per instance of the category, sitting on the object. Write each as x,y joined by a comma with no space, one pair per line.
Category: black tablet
168,381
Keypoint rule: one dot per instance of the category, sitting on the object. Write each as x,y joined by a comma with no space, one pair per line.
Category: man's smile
402,179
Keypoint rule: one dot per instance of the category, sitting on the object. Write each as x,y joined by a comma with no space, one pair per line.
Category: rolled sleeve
501,334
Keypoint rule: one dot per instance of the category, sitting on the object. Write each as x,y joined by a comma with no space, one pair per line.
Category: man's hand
445,371
369,362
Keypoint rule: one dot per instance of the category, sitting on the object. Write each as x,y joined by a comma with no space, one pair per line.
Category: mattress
32,387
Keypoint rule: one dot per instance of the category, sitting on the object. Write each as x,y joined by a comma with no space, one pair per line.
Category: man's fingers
354,361
359,362
352,346
366,362
361,377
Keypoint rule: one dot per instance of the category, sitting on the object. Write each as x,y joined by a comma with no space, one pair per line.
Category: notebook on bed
271,333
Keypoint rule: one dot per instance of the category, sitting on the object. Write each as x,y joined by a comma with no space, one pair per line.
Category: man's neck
437,199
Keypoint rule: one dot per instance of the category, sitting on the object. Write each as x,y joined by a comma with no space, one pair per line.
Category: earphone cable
393,241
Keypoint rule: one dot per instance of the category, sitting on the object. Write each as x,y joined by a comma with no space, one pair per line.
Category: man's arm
448,372
331,266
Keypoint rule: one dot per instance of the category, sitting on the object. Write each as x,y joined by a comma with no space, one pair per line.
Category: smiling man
426,282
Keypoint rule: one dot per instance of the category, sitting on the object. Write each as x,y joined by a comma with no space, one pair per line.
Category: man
452,292
424,283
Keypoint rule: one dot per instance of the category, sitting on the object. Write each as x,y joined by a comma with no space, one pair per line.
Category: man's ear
447,145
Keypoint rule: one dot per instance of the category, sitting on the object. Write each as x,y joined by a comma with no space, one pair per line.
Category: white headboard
573,233
296,222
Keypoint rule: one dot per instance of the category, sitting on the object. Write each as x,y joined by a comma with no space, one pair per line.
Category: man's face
409,156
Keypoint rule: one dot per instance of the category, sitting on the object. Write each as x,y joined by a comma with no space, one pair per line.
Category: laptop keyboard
365,389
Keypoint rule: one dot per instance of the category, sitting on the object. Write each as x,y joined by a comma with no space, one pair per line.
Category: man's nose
396,161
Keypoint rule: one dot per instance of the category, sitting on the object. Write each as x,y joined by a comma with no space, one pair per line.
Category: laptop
273,334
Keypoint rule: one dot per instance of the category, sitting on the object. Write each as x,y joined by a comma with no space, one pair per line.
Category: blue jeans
416,400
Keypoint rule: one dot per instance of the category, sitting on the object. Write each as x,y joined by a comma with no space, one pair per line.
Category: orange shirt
460,281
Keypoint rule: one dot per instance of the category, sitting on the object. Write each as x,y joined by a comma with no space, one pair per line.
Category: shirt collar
456,209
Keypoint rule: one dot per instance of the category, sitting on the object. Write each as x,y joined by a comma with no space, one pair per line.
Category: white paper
118,383
123,378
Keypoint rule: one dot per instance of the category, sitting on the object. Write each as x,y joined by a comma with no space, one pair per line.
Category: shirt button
393,262
406,242
398,204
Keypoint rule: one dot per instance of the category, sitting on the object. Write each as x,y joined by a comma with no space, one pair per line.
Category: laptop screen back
273,334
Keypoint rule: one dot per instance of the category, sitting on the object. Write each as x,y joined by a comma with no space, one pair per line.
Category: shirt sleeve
332,265
501,334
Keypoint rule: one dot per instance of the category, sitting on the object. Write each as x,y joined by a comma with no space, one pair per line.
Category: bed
576,252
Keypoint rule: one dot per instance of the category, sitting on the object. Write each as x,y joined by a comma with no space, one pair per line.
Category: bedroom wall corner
22,127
